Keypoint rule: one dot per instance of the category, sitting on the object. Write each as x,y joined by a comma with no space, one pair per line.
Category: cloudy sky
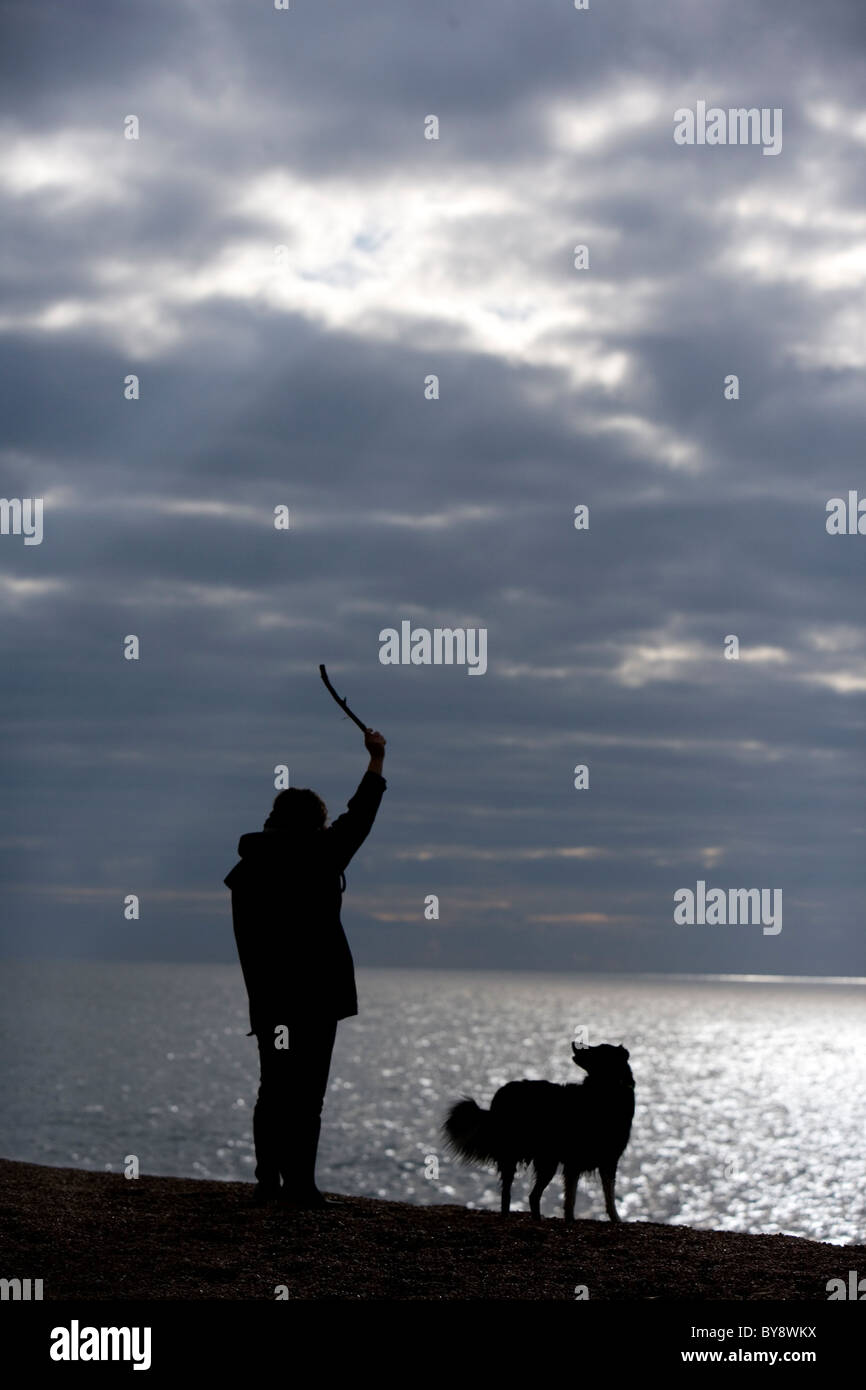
297,378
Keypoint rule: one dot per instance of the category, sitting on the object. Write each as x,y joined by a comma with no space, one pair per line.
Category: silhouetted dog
585,1128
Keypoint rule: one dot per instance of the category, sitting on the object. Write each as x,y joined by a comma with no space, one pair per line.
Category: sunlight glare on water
749,1096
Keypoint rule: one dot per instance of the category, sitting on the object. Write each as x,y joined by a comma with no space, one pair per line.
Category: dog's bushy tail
469,1132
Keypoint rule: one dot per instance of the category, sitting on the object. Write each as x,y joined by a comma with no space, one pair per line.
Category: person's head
298,810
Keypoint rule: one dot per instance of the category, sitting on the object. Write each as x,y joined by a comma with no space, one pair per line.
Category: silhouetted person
286,895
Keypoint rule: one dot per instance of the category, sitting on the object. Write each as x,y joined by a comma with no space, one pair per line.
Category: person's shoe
264,1195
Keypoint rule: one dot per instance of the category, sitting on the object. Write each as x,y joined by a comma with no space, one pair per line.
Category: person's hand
374,744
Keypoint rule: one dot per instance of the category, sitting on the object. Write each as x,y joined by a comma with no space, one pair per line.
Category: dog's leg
506,1170
544,1170
571,1180
608,1178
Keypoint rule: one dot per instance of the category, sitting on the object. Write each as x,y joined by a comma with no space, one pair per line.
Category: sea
750,1093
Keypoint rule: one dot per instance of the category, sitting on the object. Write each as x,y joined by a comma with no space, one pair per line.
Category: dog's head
604,1062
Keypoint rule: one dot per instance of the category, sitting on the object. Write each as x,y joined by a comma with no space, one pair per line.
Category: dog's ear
624,1051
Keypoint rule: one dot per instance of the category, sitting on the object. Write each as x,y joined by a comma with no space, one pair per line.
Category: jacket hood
261,846
254,842
257,842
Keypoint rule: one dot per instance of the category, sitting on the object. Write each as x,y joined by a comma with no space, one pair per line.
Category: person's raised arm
350,830
375,746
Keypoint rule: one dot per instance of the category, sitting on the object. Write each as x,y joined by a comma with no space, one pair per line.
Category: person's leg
310,1047
266,1117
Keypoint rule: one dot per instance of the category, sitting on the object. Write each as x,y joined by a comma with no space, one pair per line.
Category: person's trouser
287,1117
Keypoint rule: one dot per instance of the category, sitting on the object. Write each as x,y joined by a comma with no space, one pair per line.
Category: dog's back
583,1127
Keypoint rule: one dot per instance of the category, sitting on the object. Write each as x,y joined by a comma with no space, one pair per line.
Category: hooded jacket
287,891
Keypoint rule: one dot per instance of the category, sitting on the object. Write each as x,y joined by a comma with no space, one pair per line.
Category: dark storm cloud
408,257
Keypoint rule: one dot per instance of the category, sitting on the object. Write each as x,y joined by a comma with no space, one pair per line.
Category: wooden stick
342,703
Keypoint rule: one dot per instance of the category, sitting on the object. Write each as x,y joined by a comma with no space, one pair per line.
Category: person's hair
299,810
